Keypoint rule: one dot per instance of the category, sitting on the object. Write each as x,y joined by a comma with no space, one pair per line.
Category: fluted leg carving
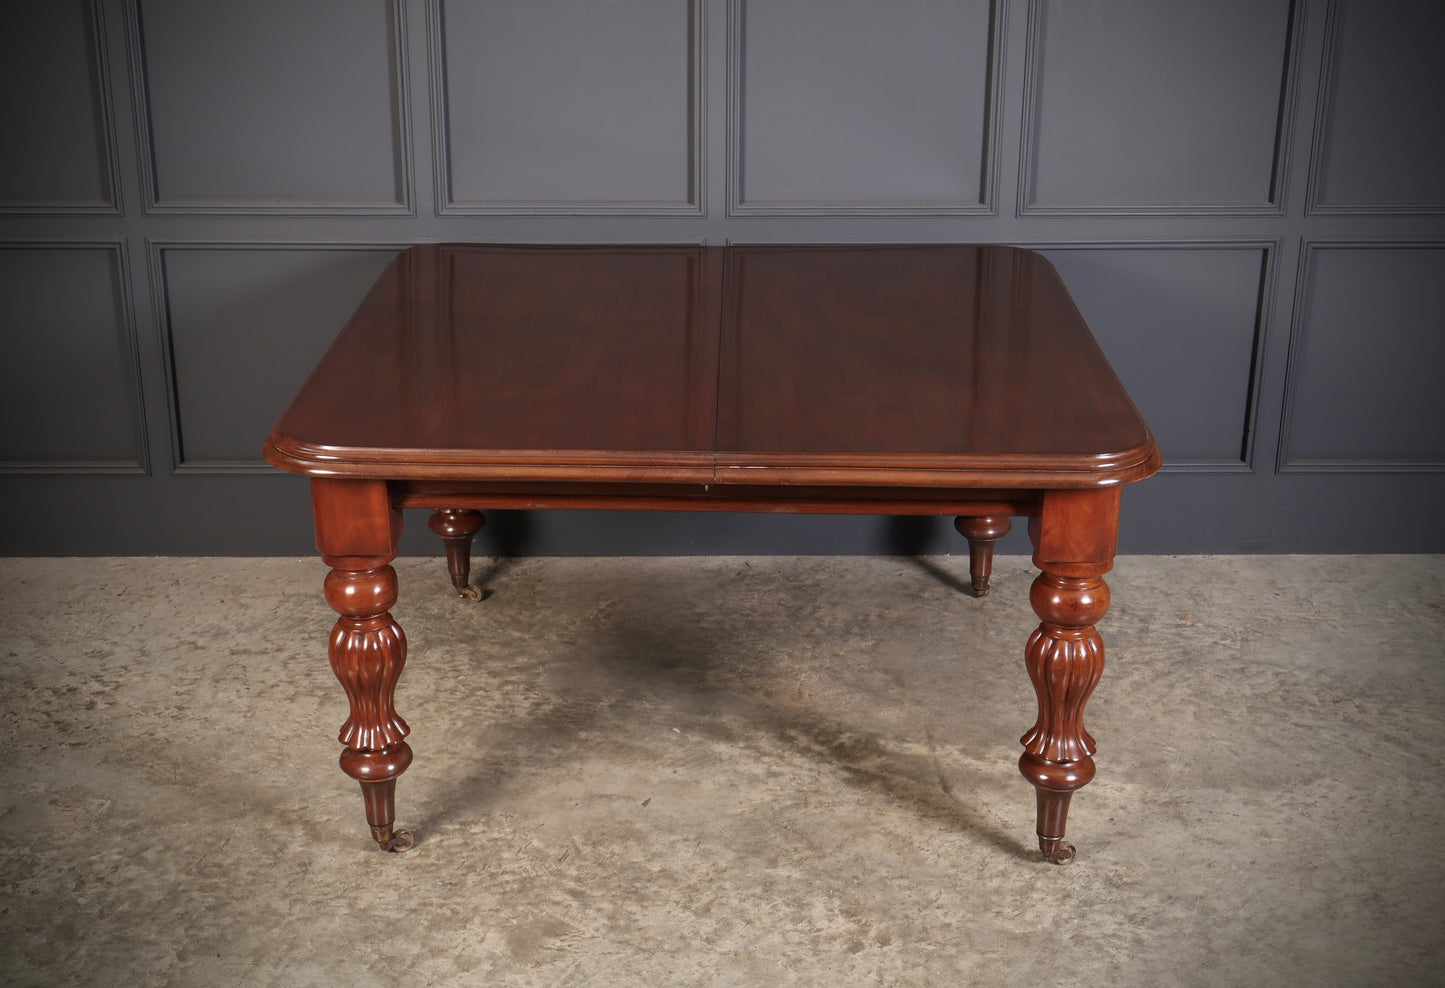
1065,658
983,533
368,650
457,527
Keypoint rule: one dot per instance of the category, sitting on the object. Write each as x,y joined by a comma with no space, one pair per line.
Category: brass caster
1056,850
395,842
471,591
980,589
400,841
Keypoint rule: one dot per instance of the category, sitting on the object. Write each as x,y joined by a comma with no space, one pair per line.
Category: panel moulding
105,103
1028,204
402,150
985,205
697,121
140,466
1303,287
1314,205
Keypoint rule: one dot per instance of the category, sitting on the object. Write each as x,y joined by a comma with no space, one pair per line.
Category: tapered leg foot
457,527
983,533
380,799
1055,783
1065,658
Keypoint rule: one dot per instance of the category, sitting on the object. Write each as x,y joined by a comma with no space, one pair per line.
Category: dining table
952,380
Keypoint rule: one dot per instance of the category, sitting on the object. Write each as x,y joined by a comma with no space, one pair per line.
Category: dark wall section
1246,198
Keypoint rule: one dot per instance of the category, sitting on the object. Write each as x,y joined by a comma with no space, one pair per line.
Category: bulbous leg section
1065,658
983,533
368,651
457,527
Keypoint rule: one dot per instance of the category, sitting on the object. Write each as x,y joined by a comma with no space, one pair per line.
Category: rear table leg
983,533
457,527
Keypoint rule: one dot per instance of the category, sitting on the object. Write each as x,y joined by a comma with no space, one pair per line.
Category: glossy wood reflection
928,365
956,350
471,354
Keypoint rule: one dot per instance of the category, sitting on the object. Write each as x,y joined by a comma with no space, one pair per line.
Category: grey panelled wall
1246,197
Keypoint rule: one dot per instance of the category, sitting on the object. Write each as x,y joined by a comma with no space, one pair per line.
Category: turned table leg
983,533
1074,542
357,530
368,650
457,527
1065,658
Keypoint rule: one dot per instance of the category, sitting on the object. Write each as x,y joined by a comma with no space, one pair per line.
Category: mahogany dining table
947,380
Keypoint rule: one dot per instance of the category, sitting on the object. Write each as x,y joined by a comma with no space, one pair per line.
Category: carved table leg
368,650
1065,658
983,533
357,530
457,527
1074,539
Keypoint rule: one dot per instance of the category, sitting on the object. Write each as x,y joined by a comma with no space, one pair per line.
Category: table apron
713,497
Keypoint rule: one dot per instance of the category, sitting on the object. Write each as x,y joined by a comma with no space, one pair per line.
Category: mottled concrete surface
765,771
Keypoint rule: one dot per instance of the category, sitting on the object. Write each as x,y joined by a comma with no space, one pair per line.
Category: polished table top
930,366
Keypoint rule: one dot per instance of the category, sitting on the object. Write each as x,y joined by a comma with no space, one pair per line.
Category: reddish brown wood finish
1074,541
931,366
983,533
457,527
519,363
947,380
1002,378
356,531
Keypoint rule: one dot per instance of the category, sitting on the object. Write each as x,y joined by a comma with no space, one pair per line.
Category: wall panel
1150,106
56,132
827,117
68,386
272,106
1380,145
1365,368
571,107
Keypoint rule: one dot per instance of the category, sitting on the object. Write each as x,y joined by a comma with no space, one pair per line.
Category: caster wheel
471,592
400,842
1056,850
393,841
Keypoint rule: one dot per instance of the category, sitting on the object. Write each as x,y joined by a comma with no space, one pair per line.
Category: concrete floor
764,771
